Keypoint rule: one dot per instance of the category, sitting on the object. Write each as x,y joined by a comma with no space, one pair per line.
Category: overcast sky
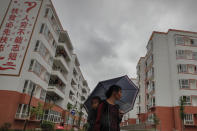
110,36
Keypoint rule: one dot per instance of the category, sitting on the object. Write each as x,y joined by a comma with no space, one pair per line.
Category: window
19,108
184,84
46,30
54,44
182,68
188,119
181,54
30,88
180,40
42,28
153,84
37,45
46,12
194,55
149,60
150,118
187,100
31,65
37,68
50,60
150,73
25,86
53,19
47,77
22,111
42,94
42,50
194,42
52,116
195,69
153,101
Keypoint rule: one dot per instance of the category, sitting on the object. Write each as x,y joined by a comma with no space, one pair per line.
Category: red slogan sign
15,34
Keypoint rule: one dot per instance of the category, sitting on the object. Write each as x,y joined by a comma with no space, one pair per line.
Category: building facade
37,57
165,75
130,118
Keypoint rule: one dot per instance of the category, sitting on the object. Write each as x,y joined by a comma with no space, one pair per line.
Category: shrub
47,126
5,127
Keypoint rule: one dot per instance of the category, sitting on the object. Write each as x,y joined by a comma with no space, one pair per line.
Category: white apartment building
37,53
141,108
131,117
169,74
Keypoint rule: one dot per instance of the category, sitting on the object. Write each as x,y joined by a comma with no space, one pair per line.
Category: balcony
72,97
85,83
56,86
188,123
59,75
64,47
74,84
21,116
64,38
61,59
61,48
84,90
83,98
58,66
55,91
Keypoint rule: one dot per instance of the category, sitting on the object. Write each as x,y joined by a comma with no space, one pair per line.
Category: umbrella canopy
129,93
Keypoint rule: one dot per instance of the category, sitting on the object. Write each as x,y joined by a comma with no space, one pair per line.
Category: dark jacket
91,119
108,117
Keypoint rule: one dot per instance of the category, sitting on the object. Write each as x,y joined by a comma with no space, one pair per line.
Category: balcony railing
52,118
58,87
188,122
21,116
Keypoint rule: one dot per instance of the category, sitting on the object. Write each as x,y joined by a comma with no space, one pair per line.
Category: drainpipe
28,111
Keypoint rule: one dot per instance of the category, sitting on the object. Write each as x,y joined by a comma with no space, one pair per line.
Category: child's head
114,91
95,102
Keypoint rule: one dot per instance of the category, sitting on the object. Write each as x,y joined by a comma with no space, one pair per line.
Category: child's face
95,103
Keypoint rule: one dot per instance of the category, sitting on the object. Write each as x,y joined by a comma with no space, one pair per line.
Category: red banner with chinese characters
15,34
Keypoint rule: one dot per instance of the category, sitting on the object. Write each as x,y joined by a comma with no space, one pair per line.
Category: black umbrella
129,92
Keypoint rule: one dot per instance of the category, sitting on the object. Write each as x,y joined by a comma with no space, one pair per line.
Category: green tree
37,111
182,113
69,108
74,108
80,115
47,126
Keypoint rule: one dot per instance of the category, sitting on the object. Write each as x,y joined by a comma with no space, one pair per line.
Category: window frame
183,84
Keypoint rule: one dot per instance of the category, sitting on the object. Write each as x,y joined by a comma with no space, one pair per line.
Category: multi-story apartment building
141,110
130,117
169,68
36,57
